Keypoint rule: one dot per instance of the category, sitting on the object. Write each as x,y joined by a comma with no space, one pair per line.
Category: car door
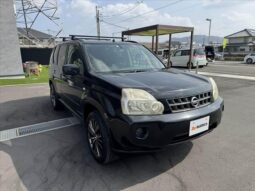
176,58
60,57
184,57
73,85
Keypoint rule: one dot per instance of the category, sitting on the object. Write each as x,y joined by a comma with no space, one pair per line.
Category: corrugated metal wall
40,55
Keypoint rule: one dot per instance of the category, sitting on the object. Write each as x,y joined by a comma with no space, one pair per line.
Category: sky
78,16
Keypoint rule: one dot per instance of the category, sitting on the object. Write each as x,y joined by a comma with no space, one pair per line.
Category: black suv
127,99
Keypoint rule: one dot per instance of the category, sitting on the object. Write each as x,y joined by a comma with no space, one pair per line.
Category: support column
169,49
152,44
10,56
156,41
191,48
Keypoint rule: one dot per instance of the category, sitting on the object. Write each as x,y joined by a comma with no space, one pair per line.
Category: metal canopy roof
162,30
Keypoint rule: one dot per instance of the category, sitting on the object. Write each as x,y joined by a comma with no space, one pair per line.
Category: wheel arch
90,105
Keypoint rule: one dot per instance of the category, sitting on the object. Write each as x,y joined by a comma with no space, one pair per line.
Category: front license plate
199,125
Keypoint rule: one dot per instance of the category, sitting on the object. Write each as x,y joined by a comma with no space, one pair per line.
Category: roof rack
64,38
88,37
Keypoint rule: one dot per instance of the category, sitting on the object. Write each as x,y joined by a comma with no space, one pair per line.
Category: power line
124,12
106,22
148,12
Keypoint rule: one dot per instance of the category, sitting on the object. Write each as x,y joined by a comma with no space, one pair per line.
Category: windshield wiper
136,70
128,71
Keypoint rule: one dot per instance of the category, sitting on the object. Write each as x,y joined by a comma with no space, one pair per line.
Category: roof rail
88,37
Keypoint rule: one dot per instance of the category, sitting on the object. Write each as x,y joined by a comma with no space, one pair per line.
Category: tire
98,138
56,104
170,64
191,65
249,61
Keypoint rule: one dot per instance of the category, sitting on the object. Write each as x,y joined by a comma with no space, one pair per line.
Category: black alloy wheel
98,138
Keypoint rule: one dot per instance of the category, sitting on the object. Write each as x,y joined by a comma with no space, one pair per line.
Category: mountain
199,39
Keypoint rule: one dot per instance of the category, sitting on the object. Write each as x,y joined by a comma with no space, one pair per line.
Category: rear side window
51,56
62,54
185,52
178,53
55,60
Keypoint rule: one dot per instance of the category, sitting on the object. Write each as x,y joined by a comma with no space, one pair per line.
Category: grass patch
43,78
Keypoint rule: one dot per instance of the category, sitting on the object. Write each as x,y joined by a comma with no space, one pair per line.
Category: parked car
127,100
249,58
210,53
181,58
163,53
219,56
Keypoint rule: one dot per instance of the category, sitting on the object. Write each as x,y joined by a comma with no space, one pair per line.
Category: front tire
249,61
98,138
188,65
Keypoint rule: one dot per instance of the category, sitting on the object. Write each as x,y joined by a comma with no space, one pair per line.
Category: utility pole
25,18
210,21
98,21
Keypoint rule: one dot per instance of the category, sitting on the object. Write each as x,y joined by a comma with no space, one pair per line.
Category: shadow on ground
28,111
60,160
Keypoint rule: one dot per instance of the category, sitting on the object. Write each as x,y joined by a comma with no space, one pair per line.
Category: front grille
186,103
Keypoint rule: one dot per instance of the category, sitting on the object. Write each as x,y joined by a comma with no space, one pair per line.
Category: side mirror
70,69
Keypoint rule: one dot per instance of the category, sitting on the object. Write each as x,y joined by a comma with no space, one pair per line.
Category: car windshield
121,58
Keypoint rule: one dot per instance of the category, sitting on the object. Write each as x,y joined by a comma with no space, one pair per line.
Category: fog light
141,133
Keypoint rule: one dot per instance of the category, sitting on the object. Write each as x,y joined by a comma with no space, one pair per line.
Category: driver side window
74,57
177,53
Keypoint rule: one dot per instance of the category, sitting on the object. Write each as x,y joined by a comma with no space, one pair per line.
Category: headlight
215,89
139,102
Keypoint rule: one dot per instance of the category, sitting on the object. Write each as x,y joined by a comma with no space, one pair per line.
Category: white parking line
37,128
228,76
232,65
30,84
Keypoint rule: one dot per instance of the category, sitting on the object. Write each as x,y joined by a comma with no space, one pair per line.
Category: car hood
162,83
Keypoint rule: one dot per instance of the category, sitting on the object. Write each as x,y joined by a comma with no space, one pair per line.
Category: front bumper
163,130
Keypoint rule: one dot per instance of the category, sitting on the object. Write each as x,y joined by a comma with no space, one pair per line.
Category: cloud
120,14
83,7
211,2
240,16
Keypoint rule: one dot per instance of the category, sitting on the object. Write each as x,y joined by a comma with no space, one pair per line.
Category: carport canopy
157,30
154,30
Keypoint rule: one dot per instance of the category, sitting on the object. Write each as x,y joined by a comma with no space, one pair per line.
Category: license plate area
199,125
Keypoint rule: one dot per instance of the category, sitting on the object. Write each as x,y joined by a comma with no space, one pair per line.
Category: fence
40,55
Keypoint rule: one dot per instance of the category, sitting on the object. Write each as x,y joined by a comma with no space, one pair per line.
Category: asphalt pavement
223,160
234,68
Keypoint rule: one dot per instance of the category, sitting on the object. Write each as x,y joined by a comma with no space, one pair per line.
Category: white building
242,42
